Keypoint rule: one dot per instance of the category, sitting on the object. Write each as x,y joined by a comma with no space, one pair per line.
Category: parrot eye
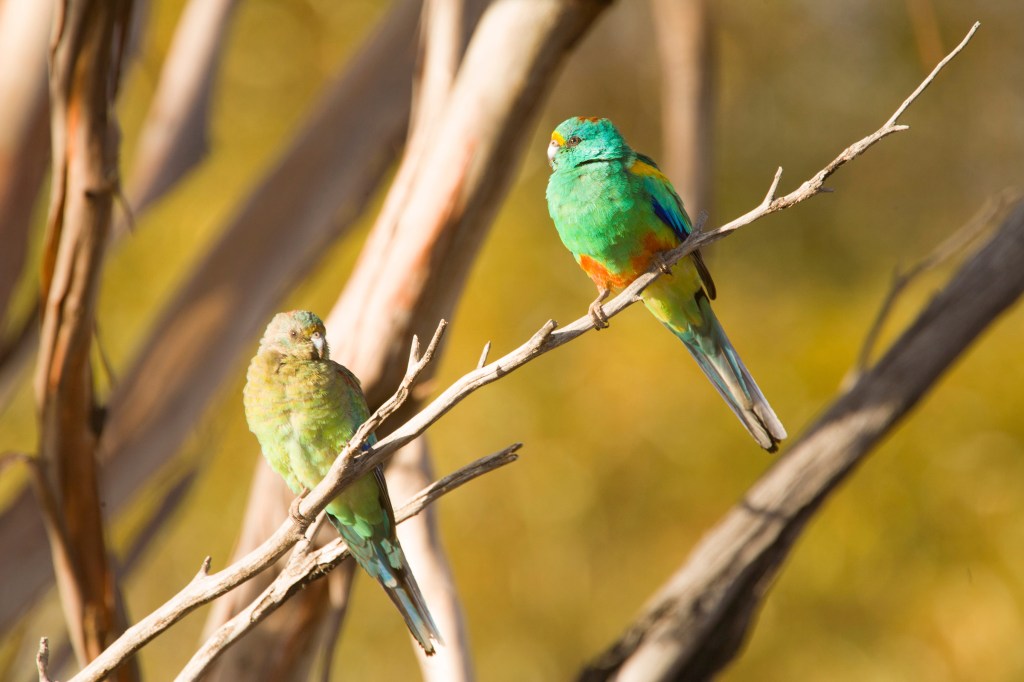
573,141
294,334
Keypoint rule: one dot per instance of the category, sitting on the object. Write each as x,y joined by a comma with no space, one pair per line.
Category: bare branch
318,187
205,588
694,625
306,567
457,479
351,464
772,203
928,81
956,243
43,660
483,355
415,262
772,188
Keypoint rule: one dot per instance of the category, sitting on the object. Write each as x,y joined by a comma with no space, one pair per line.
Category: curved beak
553,148
319,343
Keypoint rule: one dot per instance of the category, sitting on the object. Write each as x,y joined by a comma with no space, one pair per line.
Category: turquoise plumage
617,213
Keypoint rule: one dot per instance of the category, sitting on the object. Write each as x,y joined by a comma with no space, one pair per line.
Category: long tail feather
691,319
386,562
407,597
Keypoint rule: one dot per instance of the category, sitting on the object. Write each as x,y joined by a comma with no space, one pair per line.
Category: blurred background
914,570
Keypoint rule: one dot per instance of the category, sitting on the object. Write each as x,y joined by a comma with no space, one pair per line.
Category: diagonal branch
772,203
415,262
695,624
956,243
354,461
205,586
318,187
175,134
309,566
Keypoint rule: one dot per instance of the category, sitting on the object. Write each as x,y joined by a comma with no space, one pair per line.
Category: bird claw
663,266
596,311
295,514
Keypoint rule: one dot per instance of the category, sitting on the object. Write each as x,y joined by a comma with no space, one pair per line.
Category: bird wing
668,207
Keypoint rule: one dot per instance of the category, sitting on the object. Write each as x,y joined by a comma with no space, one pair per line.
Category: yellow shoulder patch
644,169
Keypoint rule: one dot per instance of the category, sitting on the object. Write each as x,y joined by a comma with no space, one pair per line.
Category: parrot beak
318,342
553,148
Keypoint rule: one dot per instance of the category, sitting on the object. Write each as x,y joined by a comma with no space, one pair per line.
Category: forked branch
305,567
693,626
357,459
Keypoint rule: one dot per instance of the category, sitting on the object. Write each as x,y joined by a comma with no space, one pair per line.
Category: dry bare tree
411,273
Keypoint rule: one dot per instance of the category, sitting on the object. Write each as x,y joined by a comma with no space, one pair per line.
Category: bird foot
597,313
295,514
663,266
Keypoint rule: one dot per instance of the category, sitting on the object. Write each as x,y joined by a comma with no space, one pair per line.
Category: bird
618,214
303,408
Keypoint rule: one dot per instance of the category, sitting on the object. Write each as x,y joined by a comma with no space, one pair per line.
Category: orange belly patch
602,277
652,245
638,264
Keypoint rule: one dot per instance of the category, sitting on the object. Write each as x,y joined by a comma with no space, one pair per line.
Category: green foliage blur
914,570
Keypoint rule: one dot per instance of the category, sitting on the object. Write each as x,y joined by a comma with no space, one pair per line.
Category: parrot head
297,334
580,140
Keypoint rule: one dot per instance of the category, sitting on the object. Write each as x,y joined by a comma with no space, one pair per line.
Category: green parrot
617,213
304,408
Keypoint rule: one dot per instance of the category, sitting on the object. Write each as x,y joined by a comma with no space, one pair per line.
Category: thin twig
483,355
205,587
773,204
305,567
957,242
43,660
697,621
349,466
417,363
928,81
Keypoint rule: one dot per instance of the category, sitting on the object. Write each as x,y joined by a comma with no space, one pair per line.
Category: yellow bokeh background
914,570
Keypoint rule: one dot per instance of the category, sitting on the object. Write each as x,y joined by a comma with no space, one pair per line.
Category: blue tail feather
385,562
694,323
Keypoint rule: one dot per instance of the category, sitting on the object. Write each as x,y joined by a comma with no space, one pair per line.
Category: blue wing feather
668,207
666,203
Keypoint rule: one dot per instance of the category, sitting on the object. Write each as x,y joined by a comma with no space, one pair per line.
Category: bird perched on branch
304,408
618,213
